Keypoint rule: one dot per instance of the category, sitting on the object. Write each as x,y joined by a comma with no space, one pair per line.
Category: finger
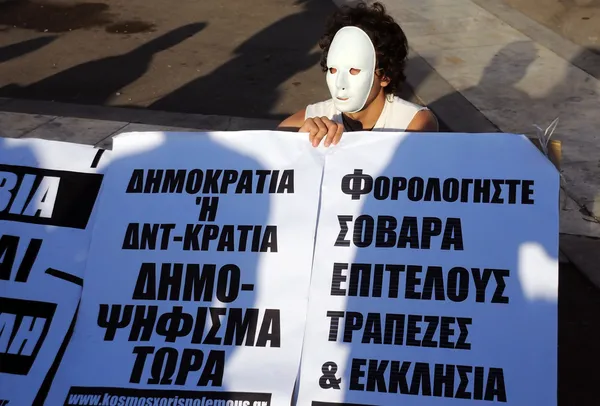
331,132
311,128
338,134
322,131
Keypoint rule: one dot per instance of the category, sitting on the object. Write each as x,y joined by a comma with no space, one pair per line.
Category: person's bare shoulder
293,122
424,121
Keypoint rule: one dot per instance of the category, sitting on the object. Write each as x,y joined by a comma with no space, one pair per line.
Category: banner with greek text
435,277
48,195
197,282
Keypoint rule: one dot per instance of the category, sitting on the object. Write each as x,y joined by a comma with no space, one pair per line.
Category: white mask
351,49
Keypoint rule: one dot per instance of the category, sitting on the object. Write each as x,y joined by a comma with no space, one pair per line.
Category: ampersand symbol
329,380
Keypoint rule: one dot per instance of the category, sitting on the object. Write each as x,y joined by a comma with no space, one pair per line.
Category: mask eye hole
354,71
332,70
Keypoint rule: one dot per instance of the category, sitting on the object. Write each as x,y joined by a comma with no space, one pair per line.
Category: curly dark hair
391,45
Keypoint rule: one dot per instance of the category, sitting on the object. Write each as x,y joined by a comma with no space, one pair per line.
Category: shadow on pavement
24,47
248,84
97,81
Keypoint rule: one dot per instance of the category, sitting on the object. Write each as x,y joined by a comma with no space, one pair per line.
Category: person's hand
320,128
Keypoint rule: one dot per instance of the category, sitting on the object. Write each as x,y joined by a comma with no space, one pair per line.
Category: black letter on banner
143,323
495,387
376,380
353,322
169,286
461,392
462,343
458,291
451,189
499,274
115,321
341,240
421,379
174,324
140,360
443,380
453,235
241,325
356,373
372,329
446,332
270,329
364,223
481,282
434,278
334,324
360,274
412,329
386,231
145,287
409,233
432,226
415,189
398,381
213,370
197,283
432,325
526,192
412,281
337,279
381,191
228,283
394,329
191,360
166,357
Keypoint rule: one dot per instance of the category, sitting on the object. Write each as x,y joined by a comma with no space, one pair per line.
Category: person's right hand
320,128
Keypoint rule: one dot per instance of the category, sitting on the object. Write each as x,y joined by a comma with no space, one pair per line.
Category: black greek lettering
512,190
434,279
461,391
421,381
394,329
230,176
381,191
262,178
143,323
478,383
443,380
360,274
464,190
269,240
175,179
412,329
386,231
451,190
141,353
495,387
191,237
153,180
353,322
241,324
191,360
228,284
415,190
208,207
394,271
377,280
215,318
376,378
432,226
453,235
273,183
145,286
499,275
199,286
482,189
244,184
526,192
432,325
334,324
363,231
398,381
398,185
8,252
115,320
163,366
409,233
446,332
357,184
174,324
497,198
200,322
211,232
462,343
338,278
481,281
373,331
286,184
433,190
356,373
212,373
211,181
412,281
341,240
270,329
136,182
458,284
193,185
169,285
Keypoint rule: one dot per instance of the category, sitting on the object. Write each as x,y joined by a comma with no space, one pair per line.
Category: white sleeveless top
395,116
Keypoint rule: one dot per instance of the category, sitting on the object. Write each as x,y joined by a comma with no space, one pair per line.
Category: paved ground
232,57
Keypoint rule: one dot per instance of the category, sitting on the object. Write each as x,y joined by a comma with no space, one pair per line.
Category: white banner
48,192
197,285
435,277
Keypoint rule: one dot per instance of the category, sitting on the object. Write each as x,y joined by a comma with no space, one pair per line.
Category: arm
424,122
293,122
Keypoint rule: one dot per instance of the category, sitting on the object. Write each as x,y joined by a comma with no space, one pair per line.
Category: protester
364,55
